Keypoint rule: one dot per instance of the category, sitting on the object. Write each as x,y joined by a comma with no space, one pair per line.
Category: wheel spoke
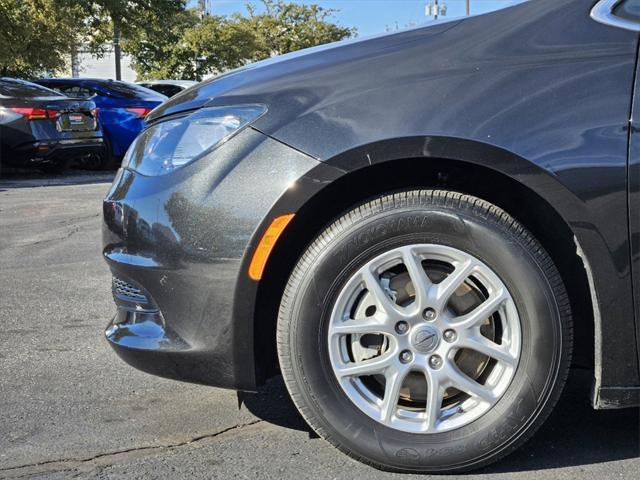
419,279
394,378
380,297
491,349
362,327
481,312
434,401
366,367
445,289
465,384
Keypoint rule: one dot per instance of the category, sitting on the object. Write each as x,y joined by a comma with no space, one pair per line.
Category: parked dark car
417,230
168,87
122,108
43,128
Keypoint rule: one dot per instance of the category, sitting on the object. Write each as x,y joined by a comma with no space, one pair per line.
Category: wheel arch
483,170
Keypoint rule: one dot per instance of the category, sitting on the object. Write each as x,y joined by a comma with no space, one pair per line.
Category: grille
126,291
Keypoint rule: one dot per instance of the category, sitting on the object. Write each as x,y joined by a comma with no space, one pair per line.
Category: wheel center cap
425,339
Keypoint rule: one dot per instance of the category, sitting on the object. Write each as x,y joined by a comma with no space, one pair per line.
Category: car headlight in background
168,145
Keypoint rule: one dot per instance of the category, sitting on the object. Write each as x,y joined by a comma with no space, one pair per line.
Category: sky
375,16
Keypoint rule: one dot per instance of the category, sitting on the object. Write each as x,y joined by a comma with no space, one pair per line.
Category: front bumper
177,245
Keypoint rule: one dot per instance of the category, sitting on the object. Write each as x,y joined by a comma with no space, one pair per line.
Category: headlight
169,145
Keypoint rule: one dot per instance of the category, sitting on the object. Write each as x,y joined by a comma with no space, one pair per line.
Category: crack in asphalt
66,235
102,460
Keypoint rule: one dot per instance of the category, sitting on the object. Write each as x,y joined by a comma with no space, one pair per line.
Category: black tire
105,160
456,220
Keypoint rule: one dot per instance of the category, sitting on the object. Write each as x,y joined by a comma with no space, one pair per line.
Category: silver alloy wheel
381,339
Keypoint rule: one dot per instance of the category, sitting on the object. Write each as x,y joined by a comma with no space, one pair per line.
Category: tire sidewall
482,237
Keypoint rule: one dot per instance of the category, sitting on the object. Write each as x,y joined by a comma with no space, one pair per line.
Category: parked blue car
122,107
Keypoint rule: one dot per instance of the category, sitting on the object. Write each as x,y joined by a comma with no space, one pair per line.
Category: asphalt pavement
70,407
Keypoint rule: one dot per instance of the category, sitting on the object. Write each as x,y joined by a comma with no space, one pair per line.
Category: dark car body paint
628,396
539,92
183,237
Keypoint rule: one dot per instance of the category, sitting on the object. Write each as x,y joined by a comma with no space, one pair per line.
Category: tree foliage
190,47
286,27
36,36
163,37
108,19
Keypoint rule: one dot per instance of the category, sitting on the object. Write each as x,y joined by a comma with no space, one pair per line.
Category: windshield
131,90
10,87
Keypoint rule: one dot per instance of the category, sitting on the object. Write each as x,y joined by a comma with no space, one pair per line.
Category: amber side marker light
267,242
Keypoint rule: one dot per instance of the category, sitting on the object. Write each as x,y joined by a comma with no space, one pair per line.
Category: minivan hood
251,80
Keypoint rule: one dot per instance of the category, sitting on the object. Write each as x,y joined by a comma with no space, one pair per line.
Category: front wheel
425,331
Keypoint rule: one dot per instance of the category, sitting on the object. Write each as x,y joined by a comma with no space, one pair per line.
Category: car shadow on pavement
273,404
573,435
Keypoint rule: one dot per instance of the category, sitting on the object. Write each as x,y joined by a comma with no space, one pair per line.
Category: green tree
159,51
286,27
190,47
165,39
218,44
120,19
36,36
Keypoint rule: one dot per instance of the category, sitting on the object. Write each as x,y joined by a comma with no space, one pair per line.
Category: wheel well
357,187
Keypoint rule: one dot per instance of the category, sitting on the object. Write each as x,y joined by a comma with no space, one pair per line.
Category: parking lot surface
70,407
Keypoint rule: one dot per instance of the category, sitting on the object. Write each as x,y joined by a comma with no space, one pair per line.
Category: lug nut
429,314
449,335
435,361
402,328
406,356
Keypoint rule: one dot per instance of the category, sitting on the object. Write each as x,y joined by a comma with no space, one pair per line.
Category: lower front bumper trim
143,330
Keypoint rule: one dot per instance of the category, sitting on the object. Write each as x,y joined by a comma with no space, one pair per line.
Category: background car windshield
21,89
131,90
74,91
168,90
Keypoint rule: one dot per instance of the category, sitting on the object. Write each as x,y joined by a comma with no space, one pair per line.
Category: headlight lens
171,144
